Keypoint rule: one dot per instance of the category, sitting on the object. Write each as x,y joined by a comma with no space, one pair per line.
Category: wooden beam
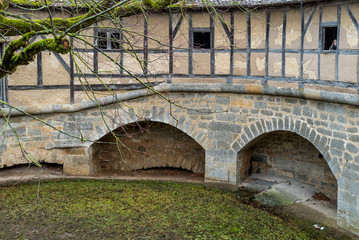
39,69
309,20
171,37
284,40
177,26
145,45
352,17
248,44
190,45
72,78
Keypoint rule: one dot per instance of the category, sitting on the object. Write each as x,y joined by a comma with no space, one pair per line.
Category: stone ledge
343,98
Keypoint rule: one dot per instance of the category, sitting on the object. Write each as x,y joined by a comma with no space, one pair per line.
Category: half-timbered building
272,42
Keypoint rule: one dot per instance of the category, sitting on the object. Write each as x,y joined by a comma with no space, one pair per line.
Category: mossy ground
109,209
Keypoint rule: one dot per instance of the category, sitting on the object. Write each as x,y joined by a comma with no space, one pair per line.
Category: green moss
139,210
32,3
11,61
19,27
153,5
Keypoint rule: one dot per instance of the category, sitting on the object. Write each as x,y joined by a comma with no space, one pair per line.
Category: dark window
115,40
330,38
102,40
108,39
202,39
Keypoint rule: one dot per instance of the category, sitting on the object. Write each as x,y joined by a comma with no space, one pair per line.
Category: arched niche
147,145
286,154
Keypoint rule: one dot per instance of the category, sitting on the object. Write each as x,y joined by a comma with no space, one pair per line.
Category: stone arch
161,115
254,130
160,145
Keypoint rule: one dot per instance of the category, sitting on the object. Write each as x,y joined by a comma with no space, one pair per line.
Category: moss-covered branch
11,60
15,27
16,45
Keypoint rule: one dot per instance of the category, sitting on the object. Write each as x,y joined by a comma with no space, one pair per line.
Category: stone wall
147,145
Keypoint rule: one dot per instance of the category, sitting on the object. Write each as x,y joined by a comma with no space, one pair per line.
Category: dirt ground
23,173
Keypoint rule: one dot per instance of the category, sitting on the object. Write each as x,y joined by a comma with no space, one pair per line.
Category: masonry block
77,166
269,125
348,157
287,123
221,165
186,125
312,135
297,111
338,143
297,126
340,135
236,147
264,126
222,126
254,130
275,123
303,129
324,131
336,126
351,148
248,132
307,111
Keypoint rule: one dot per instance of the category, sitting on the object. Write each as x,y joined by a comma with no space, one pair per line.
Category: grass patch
109,209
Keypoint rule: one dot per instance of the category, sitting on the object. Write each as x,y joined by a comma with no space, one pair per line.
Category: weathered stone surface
339,144
324,131
77,166
352,148
220,126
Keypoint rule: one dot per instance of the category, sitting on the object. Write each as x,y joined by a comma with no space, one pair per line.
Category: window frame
323,28
109,39
202,30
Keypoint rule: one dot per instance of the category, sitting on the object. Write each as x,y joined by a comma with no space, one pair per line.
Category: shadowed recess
286,154
147,145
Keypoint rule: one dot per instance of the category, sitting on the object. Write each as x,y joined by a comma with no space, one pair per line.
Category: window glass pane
102,40
115,40
202,40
